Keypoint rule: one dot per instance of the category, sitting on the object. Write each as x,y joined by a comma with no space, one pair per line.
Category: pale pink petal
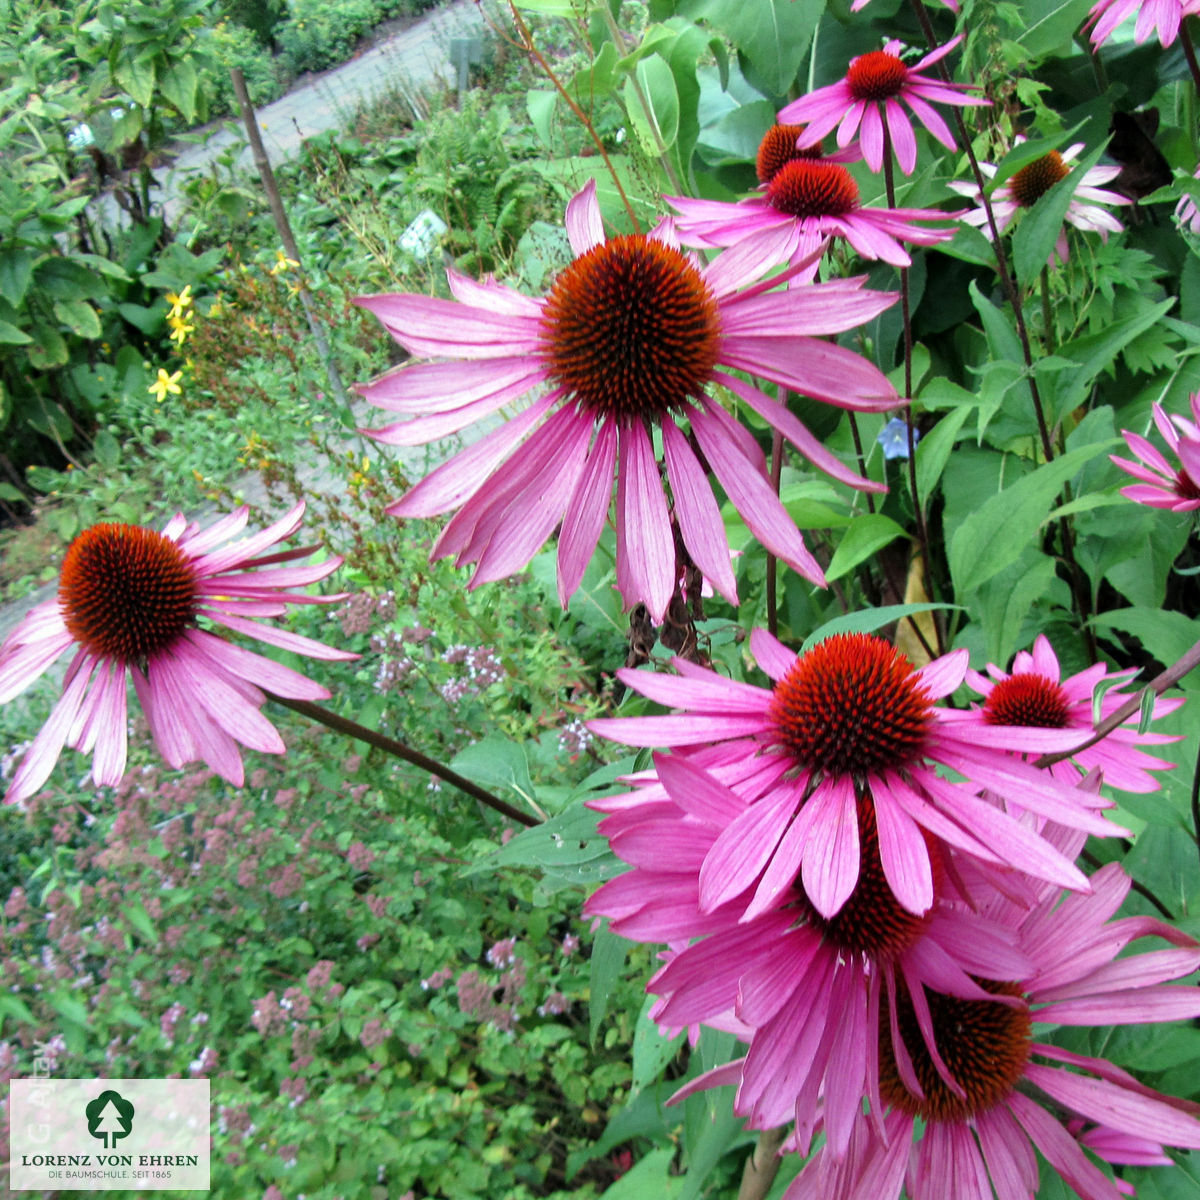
583,519
584,226
649,549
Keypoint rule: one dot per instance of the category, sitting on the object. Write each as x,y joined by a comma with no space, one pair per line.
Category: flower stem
862,458
1045,281
1159,684
1189,52
763,1165
1079,583
918,507
389,745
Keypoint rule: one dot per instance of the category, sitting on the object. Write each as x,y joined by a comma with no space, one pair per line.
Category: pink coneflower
808,993
129,603
629,340
1165,486
811,200
1028,185
1153,16
870,95
846,721
1036,694
780,146
989,1127
1186,212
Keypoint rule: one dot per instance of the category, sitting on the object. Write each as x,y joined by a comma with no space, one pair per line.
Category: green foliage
319,33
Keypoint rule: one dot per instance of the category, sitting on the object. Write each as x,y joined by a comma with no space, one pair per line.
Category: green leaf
566,847
608,957
867,620
14,1006
1165,634
139,918
656,123
10,335
1006,601
771,36
497,762
935,448
136,76
16,270
1050,26
996,534
178,85
1024,153
540,104
650,1176
107,449
1040,227
79,317
651,1051
865,535
49,349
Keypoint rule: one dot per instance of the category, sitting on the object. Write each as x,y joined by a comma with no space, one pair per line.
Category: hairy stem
397,749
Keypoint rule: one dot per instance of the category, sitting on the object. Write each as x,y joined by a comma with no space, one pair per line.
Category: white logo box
108,1134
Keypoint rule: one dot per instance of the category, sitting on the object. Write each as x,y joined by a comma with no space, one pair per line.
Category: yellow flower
165,383
282,263
179,302
180,329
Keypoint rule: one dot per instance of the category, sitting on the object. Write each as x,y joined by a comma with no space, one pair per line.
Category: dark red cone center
1035,179
984,1044
631,330
778,147
1027,699
813,189
126,592
851,706
876,76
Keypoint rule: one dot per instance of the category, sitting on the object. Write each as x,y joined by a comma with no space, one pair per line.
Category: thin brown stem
1079,583
539,58
1159,684
389,745
1141,889
862,458
763,1164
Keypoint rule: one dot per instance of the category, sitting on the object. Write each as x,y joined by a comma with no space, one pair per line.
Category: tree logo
109,1117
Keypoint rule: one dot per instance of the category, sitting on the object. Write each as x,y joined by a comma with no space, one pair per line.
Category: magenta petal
771,654
649,549
697,513
584,226
1059,1148
430,327
904,856
40,758
831,862
697,792
743,848
583,520
756,503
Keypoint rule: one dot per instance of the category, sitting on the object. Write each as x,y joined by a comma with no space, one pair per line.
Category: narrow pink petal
779,970
1061,1150
930,118
171,695
429,327
697,512
904,856
697,792
253,668
930,817
1108,1104
21,666
673,731
771,654
751,494
743,849
709,693
583,520
1008,1154
454,481
225,703
870,137
904,144
110,736
831,862
435,427
495,297
40,758
793,429
789,857
1162,1003
944,675
196,541
421,388
285,639
584,226
642,511
235,556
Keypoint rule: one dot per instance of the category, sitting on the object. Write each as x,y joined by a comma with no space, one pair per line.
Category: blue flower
893,437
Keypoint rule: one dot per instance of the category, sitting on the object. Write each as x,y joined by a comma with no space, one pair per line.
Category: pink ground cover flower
629,340
851,719
808,994
129,604
868,102
1036,694
1165,486
1027,186
811,200
1153,16
978,1141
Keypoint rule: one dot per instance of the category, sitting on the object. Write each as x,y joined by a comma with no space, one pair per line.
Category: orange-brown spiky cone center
1035,179
126,592
813,189
872,921
631,330
851,706
779,147
1027,699
876,76
984,1044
